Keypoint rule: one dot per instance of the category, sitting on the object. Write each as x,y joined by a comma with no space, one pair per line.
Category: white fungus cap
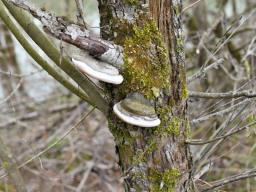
99,70
134,119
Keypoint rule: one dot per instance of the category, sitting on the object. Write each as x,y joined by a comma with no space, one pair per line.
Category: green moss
146,63
174,126
184,93
123,135
141,155
169,125
247,68
183,79
163,181
131,2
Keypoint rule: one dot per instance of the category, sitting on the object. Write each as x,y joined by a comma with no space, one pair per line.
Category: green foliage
132,2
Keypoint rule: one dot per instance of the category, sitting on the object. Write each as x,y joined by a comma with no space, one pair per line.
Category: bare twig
199,142
202,72
27,23
75,35
39,174
222,112
81,187
204,69
243,20
209,148
11,168
231,179
190,6
80,15
26,43
11,74
12,93
54,143
227,95
232,77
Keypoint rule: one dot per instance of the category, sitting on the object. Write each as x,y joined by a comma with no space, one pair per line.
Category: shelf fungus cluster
135,109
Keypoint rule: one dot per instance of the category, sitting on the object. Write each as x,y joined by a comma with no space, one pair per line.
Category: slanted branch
75,34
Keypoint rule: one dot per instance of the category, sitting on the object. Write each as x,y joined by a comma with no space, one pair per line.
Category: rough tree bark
152,159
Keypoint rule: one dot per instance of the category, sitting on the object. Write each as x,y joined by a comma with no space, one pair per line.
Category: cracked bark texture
150,159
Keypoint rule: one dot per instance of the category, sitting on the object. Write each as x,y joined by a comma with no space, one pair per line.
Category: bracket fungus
136,110
99,70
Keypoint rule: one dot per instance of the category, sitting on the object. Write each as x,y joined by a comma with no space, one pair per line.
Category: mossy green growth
141,155
146,63
169,125
163,181
184,89
131,2
123,135
174,126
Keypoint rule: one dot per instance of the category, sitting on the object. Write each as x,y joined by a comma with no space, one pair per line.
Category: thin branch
231,179
222,112
74,34
11,168
13,26
42,176
46,45
13,91
243,20
190,6
209,148
80,10
15,75
81,187
54,143
227,95
202,71
199,142
232,77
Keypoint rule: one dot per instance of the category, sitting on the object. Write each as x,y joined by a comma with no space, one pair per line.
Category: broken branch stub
77,35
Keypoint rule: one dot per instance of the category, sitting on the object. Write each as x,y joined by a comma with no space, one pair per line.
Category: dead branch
227,95
203,71
80,15
74,34
222,112
231,179
11,168
200,142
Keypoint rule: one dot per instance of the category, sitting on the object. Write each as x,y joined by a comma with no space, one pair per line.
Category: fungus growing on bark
136,110
99,70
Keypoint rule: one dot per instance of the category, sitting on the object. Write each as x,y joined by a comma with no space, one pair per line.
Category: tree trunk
152,159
